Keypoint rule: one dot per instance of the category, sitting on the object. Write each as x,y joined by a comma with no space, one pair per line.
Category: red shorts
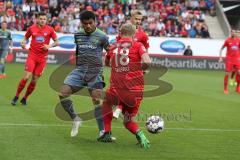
131,111
130,100
35,66
231,65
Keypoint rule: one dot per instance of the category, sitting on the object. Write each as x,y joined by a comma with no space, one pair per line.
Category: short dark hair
4,21
86,15
41,14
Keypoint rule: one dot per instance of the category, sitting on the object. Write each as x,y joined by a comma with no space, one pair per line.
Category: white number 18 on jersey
121,56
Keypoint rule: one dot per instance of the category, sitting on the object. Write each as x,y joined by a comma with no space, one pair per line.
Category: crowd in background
170,18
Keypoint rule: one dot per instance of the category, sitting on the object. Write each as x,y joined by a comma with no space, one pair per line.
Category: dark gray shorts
85,78
3,53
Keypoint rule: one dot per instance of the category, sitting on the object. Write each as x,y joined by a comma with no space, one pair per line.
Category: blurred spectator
188,51
183,32
172,18
210,4
205,33
111,30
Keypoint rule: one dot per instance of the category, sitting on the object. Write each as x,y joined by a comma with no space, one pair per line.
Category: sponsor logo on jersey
234,47
40,39
172,46
87,46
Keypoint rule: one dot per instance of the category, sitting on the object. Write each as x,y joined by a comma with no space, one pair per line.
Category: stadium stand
170,18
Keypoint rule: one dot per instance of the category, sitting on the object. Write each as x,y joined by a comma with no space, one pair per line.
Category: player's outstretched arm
220,54
146,61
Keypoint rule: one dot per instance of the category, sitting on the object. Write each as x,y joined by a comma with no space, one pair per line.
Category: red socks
30,89
226,82
108,116
21,86
132,126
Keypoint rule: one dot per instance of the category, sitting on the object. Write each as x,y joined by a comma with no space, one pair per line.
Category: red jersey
40,36
126,56
140,36
233,46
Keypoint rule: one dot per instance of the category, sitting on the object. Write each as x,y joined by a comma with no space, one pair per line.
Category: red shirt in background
140,36
40,37
233,46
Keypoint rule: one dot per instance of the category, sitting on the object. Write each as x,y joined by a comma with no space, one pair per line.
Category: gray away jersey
5,37
89,48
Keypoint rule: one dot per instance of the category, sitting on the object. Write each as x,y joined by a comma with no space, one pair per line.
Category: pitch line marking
117,127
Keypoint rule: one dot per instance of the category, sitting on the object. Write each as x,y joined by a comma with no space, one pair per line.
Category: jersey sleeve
109,55
53,34
225,43
105,43
146,41
9,36
110,51
28,33
142,50
118,37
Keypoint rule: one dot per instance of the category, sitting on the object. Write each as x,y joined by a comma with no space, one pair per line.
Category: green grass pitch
201,123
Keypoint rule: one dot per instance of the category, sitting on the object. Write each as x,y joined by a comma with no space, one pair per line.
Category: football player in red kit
128,59
140,36
231,61
38,52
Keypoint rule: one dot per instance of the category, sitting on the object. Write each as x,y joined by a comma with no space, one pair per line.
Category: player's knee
96,97
2,61
126,119
96,101
228,73
27,76
35,78
63,94
65,91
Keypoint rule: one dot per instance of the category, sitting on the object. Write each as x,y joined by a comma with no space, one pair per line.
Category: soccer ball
155,124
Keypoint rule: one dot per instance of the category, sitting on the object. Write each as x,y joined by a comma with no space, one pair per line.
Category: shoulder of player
33,26
5,32
141,31
137,44
101,34
50,28
98,31
80,32
228,39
